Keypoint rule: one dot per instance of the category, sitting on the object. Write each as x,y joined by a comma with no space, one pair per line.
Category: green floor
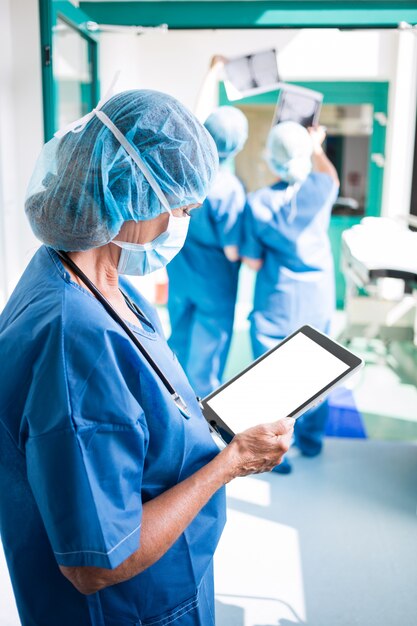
387,393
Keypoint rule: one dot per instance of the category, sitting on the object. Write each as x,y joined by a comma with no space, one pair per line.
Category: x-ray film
251,74
298,104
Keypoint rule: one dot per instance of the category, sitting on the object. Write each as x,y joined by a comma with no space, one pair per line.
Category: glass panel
349,130
72,73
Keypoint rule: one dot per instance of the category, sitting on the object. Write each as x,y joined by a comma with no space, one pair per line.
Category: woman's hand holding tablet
257,449
289,379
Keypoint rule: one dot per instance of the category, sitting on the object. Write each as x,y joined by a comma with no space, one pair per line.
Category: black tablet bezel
352,361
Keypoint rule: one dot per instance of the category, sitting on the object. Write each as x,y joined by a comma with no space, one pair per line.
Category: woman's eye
186,212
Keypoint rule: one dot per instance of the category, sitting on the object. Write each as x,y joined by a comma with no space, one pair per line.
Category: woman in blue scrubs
111,487
203,277
286,241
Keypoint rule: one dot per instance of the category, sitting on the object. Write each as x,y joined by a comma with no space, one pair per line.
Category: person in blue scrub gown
111,486
203,277
286,241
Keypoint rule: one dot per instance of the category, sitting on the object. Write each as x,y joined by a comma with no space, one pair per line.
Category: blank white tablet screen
278,384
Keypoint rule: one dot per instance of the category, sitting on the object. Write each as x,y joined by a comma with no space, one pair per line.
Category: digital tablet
298,104
286,381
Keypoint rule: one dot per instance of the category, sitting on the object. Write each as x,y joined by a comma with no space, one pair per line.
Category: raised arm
321,163
207,98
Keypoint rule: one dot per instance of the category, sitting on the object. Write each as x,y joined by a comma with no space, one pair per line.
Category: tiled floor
333,544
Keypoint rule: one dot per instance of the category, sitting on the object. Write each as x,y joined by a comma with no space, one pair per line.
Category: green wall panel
49,11
254,13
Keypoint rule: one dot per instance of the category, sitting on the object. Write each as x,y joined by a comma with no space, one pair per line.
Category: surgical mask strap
293,201
135,157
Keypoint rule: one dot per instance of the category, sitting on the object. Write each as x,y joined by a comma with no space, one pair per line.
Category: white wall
177,62
21,132
401,126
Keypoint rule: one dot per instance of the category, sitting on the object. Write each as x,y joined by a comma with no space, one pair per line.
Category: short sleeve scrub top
88,434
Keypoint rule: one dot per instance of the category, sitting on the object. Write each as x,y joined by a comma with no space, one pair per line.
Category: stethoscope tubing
113,313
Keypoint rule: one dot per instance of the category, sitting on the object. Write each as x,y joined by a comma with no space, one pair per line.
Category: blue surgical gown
88,434
203,285
295,285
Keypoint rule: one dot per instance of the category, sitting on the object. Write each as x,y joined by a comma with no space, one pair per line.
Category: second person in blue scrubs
203,277
286,241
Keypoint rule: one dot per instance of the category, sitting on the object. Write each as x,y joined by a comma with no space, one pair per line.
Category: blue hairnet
229,128
288,151
85,185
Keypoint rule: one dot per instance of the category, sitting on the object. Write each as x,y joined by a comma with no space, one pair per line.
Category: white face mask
138,259
142,258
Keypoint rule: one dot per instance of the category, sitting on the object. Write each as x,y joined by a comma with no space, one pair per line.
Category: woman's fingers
260,448
283,426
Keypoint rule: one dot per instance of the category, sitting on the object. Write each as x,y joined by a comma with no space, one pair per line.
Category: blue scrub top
202,264
295,285
88,433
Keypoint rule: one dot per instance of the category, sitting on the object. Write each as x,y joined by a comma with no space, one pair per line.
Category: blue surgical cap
229,128
288,151
85,185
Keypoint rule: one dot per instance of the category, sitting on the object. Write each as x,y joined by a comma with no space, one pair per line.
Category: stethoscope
179,402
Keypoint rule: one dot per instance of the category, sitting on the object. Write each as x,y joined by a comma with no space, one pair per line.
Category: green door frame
344,92
184,14
50,11
179,14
